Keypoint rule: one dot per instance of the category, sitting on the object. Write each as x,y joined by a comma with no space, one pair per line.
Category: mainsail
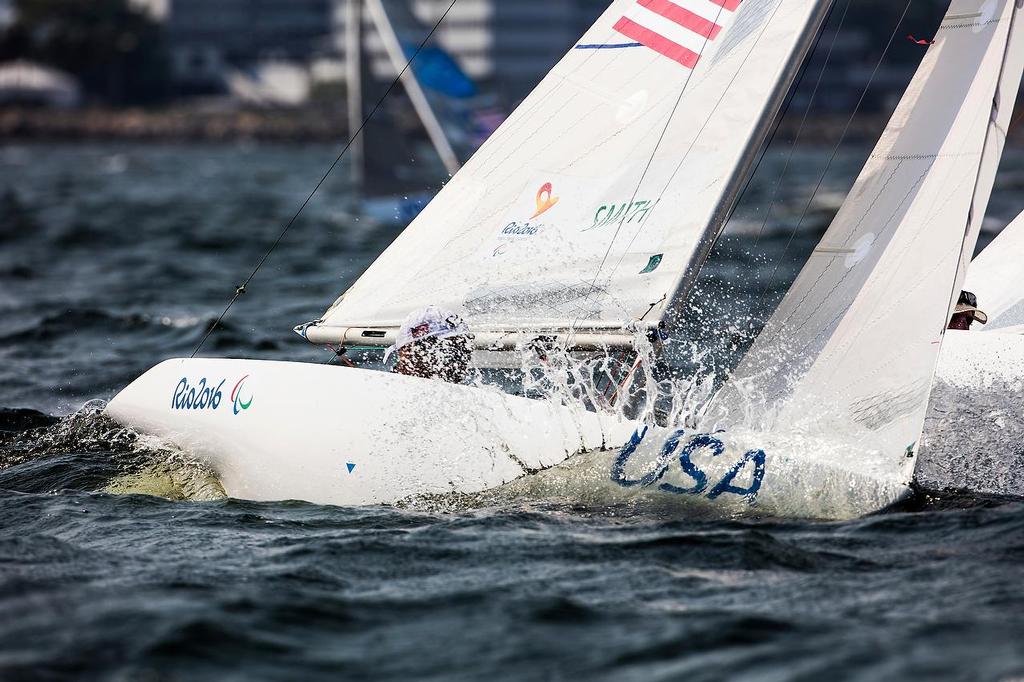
592,204
849,354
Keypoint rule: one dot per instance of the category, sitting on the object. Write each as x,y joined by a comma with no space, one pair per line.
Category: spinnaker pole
354,88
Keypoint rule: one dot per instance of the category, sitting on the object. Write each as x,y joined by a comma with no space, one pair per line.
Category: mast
354,86
742,171
419,100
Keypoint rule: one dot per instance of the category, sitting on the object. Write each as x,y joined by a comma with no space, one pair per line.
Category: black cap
967,298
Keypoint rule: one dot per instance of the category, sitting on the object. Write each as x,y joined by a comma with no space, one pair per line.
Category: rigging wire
835,152
799,131
764,149
623,383
639,184
241,289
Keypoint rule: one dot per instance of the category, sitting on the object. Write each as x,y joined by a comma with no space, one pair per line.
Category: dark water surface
116,257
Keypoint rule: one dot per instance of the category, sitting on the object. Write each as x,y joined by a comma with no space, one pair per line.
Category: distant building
6,13
211,38
27,83
509,45
155,8
505,45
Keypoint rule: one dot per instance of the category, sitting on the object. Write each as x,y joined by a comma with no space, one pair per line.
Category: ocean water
121,559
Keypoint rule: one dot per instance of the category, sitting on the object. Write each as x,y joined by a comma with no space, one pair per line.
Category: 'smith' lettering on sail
677,29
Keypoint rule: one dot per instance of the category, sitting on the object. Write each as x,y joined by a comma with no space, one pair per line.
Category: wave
75,321
86,451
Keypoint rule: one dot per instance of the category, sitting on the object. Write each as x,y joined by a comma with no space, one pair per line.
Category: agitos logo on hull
205,395
239,403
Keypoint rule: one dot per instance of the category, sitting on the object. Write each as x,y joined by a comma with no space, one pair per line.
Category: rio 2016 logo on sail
545,200
700,479
203,395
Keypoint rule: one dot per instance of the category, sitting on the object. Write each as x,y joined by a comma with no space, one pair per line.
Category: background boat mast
400,63
354,80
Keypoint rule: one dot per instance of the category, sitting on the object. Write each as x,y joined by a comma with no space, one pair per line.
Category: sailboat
583,222
975,415
996,277
444,100
830,400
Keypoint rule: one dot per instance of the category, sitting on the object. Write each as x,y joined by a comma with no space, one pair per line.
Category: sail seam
976,24
889,226
923,157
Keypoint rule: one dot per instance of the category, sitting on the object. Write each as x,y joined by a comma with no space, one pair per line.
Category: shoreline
200,124
172,125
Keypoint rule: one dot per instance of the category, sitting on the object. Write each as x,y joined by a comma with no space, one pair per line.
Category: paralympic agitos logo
205,395
239,403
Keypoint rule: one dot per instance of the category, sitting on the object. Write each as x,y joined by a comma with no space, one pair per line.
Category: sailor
433,344
966,312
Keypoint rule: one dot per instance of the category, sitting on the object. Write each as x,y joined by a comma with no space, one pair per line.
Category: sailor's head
433,344
966,312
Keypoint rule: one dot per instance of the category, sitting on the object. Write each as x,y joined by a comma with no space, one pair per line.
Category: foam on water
815,464
171,474
973,439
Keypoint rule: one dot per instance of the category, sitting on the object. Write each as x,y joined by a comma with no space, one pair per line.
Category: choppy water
115,257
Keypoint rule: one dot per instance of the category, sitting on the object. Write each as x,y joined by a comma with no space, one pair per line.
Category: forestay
848,356
589,204
997,277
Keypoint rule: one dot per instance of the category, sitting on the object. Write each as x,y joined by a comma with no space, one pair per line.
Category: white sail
997,277
848,356
587,206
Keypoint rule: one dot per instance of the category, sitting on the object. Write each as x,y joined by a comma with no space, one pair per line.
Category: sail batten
587,171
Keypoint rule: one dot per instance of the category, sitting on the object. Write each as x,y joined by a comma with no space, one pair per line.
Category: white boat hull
334,435
975,427
343,436
331,435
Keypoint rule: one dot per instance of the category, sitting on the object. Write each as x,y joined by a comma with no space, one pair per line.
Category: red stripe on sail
657,42
683,17
730,5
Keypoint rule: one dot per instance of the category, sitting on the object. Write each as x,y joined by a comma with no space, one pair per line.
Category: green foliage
115,50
